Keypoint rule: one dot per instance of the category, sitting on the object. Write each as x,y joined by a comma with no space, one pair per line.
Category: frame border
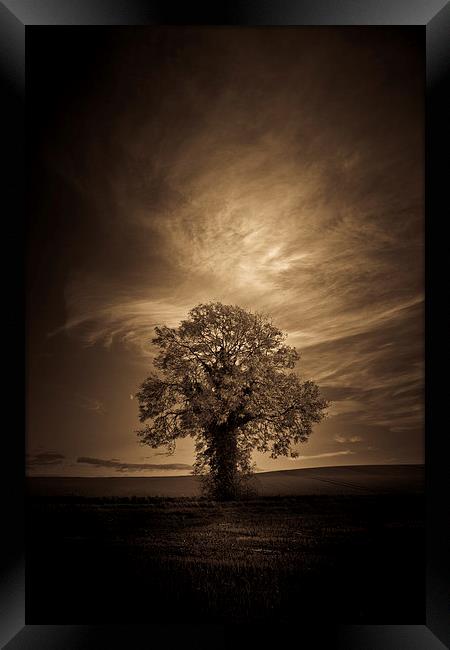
434,17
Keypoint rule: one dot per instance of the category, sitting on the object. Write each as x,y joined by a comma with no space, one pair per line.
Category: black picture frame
434,16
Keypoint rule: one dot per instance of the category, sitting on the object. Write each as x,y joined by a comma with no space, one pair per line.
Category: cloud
346,439
44,458
347,452
301,197
90,404
132,467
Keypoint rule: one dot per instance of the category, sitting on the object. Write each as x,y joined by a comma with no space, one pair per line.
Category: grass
352,559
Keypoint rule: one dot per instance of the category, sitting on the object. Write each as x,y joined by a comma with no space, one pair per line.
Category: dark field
354,479
348,558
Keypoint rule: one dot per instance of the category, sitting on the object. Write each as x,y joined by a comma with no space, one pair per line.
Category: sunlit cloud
293,189
346,452
347,439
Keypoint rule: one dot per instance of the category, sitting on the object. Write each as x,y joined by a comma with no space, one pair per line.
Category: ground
353,479
351,558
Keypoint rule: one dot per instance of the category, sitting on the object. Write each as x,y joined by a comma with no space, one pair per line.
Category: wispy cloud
301,197
330,454
91,404
341,286
347,439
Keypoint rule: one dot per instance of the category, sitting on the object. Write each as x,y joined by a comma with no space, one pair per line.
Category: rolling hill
355,479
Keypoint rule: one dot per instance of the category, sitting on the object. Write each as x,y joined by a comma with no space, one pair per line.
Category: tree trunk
225,456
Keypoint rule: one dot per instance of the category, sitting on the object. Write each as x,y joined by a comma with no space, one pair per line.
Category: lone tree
225,378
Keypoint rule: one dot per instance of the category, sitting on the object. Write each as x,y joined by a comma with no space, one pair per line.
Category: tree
225,378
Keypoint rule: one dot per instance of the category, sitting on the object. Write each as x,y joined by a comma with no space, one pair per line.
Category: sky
279,169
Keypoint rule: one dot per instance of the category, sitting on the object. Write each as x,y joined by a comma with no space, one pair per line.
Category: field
355,479
352,558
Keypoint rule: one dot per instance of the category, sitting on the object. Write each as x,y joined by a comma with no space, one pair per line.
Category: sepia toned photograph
225,325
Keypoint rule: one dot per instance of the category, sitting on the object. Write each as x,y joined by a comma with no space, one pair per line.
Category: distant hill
354,479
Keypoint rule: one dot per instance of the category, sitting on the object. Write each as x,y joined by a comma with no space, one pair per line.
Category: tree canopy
225,377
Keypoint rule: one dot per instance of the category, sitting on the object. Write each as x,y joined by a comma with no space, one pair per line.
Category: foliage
226,378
